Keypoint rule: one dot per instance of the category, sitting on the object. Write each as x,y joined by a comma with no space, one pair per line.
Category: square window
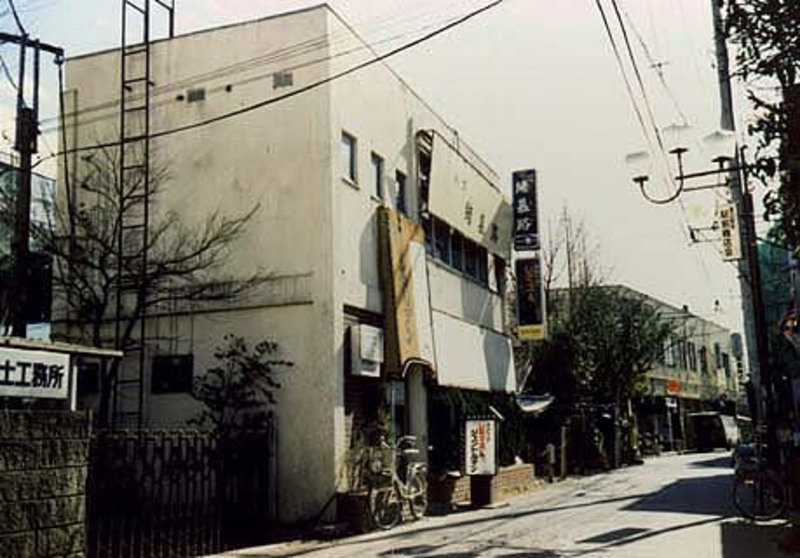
348,157
377,175
400,191
172,374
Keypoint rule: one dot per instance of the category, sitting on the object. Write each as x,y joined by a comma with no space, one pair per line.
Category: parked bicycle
758,492
389,489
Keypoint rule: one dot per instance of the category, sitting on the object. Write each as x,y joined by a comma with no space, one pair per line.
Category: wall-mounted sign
480,447
530,300
526,212
467,200
729,228
25,373
366,350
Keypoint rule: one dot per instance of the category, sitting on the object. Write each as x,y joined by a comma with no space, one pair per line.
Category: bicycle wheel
385,506
417,493
759,496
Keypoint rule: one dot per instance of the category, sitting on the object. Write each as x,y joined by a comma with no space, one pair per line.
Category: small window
483,266
282,79
717,356
88,378
196,94
457,251
400,191
377,175
172,373
441,237
348,157
427,227
470,259
499,273
703,360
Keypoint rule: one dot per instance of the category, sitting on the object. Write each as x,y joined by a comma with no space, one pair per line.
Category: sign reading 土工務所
26,373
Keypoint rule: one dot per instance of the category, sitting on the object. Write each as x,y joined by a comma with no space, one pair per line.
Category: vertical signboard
526,213
728,224
530,299
480,456
409,334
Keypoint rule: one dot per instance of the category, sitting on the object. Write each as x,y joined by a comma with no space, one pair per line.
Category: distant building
386,236
39,297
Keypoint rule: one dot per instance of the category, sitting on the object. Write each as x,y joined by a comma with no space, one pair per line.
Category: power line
222,71
304,89
304,47
16,17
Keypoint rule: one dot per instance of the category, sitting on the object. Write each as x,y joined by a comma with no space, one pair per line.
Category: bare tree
94,253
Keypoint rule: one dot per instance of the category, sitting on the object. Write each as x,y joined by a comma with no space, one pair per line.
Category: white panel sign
729,227
480,445
466,200
25,373
371,343
472,357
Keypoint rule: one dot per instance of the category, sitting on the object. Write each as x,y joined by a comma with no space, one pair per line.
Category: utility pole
25,143
749,271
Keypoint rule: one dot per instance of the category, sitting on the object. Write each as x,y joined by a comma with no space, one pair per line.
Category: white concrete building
387,239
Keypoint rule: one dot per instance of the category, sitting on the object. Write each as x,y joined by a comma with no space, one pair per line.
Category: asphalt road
672,506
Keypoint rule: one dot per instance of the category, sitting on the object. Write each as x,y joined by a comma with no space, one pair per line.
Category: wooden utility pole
749,270
25,143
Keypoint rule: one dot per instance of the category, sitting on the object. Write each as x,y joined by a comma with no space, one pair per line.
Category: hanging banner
409,333
526,211
530,300
40,374
729,227
480,447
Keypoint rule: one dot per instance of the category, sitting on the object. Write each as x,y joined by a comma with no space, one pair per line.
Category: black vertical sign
530,299
526,213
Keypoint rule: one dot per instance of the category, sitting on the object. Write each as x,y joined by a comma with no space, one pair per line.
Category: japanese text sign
480,447
25,373
530,300
526,213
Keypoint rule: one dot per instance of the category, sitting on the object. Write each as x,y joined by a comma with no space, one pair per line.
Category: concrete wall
313,230
43,466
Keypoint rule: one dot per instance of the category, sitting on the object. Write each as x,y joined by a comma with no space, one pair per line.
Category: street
674,505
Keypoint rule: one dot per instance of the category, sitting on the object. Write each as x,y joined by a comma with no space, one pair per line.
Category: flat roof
58,347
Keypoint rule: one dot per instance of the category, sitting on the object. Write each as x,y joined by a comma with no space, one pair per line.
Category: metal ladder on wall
134,207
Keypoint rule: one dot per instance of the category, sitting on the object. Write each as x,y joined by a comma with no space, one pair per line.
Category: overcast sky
528,84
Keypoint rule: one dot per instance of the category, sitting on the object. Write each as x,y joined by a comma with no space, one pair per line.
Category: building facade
699,370
385,238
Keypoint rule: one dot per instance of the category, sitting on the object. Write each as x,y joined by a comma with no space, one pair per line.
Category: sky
527,84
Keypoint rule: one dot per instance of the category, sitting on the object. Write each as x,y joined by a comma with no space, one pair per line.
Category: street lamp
720,143
722,146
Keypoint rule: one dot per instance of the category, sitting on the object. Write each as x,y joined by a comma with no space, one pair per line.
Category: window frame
349,170
163,386
378,173
400,187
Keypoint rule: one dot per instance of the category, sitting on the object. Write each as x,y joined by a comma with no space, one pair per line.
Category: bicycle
758,492
388,491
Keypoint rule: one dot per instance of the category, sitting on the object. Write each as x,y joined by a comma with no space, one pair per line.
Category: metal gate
179,493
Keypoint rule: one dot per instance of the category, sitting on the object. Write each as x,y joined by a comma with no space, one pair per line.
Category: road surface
672,506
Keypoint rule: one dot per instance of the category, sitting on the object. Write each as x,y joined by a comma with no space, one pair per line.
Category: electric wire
304,47
16,17
246,80
304,89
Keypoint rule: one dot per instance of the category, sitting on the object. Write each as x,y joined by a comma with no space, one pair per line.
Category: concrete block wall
43,466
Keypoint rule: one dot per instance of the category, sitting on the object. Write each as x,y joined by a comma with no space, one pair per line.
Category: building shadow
744,539
708,495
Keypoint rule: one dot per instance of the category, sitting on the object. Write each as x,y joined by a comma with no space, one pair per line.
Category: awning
534,404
